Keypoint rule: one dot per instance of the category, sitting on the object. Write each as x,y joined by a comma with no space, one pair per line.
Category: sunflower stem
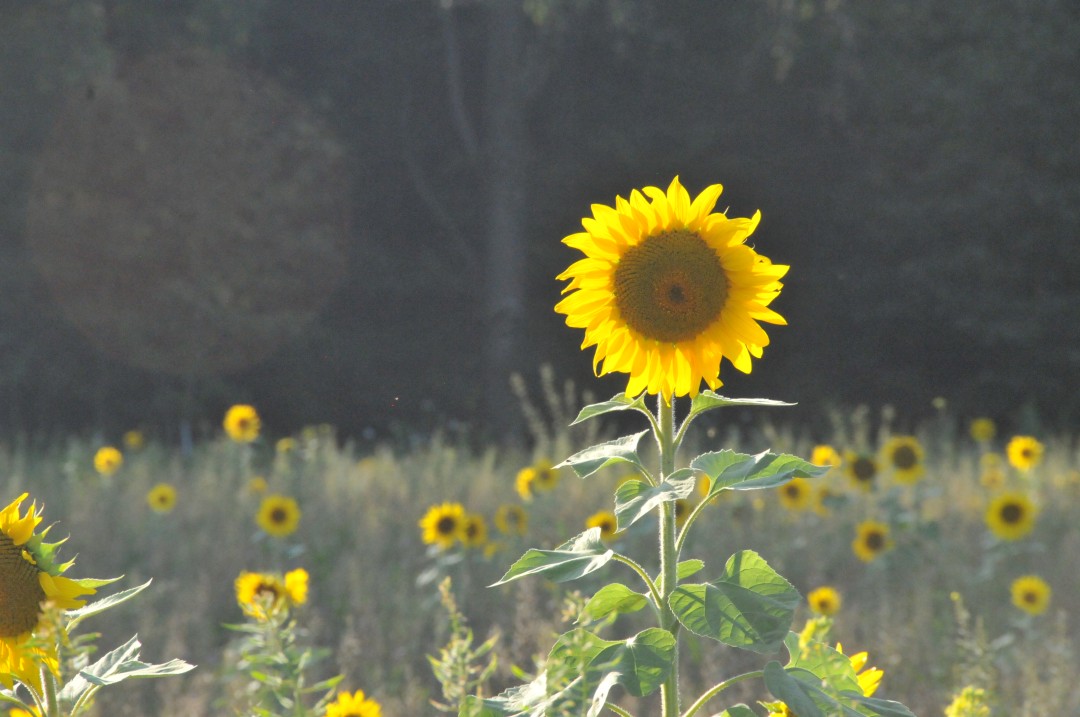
48,684
665,437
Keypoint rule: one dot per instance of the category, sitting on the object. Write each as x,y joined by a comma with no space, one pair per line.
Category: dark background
351,212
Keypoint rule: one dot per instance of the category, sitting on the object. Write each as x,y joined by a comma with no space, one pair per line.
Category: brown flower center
863,469
1012,513
904,457
279,516
446,525
874,541
20,592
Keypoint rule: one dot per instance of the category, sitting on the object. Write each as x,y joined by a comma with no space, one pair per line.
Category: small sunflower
546,478
1031,594
161,498
1024,452
826,455
262,595
905,455
861,470
354,705
605,520
511,520
474,532
134,440
795,495
442,525
242,423
524,482
107,460
1011,515
871,540
667,289
278,515
982,430
285,445
825,600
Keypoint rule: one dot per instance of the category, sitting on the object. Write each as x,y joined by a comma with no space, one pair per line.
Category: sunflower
795,494
1031,594
982,430
474,532
511,520
605,520
257,485
108,460
354,705
871,540
824,600
285,445
242,423
1024,452
1011,515
868,678
524,481
861,470
30,579
278,515
17,712
442,525
262,595
667,289
825,455
162,498
134,440
546,478
905,455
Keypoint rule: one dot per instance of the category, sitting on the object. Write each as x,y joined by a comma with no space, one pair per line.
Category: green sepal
621,450
739,710
118,665
634,499
749,606
581,555
707,401
688,567
728,470
640,664
616,599
618,402
110,601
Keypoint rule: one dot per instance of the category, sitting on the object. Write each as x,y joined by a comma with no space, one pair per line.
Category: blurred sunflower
982,430
667,289
1024,452
795,495
826,455
442,524
257,485
1011,515
133,440
511,519
824,600
905,455
161,498
524,481
1031,594
605,520
278,515
18,712
107,460
242,423
474,532
29,580
546,478
861,470
285,445
262,595
871,540
354,705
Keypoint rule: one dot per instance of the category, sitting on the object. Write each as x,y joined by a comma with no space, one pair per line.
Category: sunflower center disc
1011,513
875,541
863,469
445,526
904,458
20,591
671,286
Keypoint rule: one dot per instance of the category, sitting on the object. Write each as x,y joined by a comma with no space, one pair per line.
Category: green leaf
619,402
739,710
105,603
880,707
621,450
614,598
749,606
739,471
578,556
797,690
689,567
641,663
118,665
825,662
634,499
707,400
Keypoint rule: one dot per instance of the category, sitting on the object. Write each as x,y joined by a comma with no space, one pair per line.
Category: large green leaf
749,606
98,606
740,471
576,557
118,665
641,663
826,663
615,598
621,450
619,402
707,400
806,692
634,499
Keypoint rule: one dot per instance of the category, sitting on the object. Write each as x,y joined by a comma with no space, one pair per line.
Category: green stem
657,600
717,689
48,684
618,710
690,521
669,557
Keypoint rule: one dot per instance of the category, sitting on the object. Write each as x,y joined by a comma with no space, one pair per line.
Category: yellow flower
871,540
474,531
969,702
278,515
354,705
795,494
162,498
523,484
1024,452
668,289
861,470
511,520
546,476
262,595
442,525
869,679
1031,594
1011,515
108,460
905,455
825,455
825,600
982,430
257,485
17,712
605,520
242,423
133,440
285,445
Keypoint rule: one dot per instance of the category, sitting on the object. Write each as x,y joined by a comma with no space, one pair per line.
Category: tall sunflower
1031,594
1024,452
668,288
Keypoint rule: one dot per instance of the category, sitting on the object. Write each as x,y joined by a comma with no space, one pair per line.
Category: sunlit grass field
933,606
